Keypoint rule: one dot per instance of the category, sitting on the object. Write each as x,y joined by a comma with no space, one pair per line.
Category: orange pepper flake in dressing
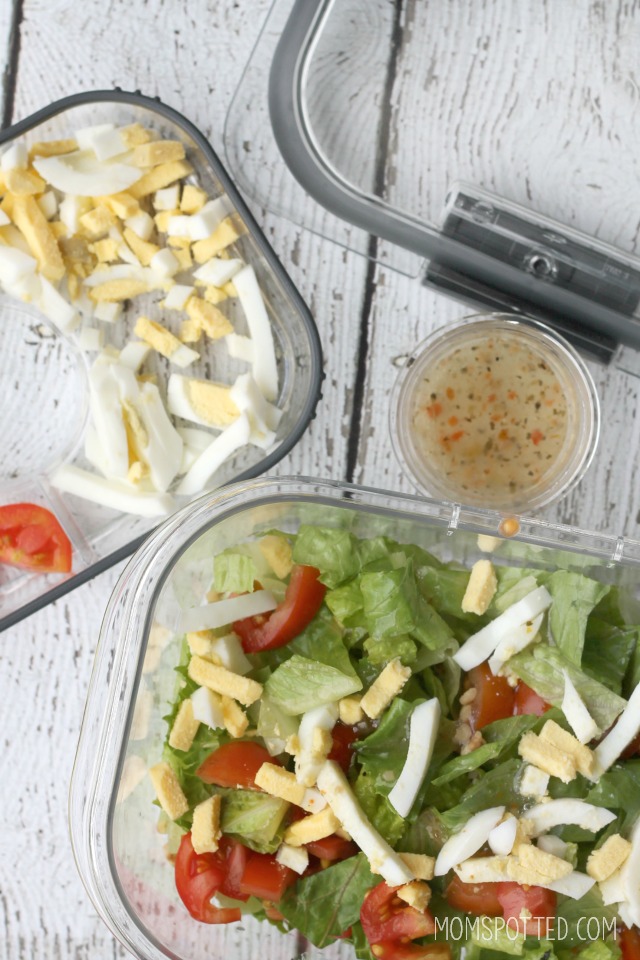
536,437
434,410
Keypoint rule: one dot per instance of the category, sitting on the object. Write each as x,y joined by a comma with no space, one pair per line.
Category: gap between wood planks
10,76
382,152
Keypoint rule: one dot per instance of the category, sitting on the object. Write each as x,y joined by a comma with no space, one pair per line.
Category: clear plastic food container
43,371
118,849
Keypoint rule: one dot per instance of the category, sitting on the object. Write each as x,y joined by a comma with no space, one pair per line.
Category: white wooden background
191,53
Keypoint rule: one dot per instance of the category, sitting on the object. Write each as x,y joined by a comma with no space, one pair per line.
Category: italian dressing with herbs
491,416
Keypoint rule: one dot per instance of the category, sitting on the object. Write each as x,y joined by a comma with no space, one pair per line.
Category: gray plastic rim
306,414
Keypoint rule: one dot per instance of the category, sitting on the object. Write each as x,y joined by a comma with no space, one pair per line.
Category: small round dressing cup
497,412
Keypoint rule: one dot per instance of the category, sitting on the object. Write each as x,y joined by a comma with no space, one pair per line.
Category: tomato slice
528,701
540,903
32,538
395,950
265,878
494,697
332,848
629,943
384,916
477,898
235,861
235,764
301,602
342,746
198,878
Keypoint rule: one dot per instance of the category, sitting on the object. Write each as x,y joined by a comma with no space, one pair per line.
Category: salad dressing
491,415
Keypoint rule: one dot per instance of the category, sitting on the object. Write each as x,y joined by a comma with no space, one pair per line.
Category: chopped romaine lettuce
490,933
300,684
324,905
253,818
333,552
574,597
234,573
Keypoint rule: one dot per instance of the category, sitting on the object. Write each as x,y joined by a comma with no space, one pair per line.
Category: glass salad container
114,821
49,344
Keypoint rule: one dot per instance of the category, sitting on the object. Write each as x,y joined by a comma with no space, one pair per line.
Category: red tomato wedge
494,697
32,538
265,878
540,903
235,764
301,602
342,746
395,950
384,917
198,878
236,855
476,898
332,848
629,943
528,701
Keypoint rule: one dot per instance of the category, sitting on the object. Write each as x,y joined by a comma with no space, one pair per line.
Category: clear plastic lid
490,149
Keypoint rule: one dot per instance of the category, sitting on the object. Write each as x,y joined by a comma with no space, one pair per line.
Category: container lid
517,199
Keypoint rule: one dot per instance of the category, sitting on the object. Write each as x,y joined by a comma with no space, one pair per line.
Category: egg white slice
423,730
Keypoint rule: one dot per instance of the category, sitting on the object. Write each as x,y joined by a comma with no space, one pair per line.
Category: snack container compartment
114,821
44,371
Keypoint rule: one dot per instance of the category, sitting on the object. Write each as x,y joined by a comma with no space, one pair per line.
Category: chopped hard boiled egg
423,730
382,858
482,644
473,835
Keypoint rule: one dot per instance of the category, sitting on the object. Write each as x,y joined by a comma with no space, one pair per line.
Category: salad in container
329,721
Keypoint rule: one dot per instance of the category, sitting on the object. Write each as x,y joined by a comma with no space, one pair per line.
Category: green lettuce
500,736
496,787
345,601
253,818
573,915
301,684
444,590
381,651
607,652
334,552
490,933
541,668
601,950
574,597
322,640
377,809
325,904
234,573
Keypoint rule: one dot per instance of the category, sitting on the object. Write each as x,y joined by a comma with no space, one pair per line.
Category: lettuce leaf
381,651
607,652
334,552
377,809
233,573
444,590
325,904
256,819
300,684
541,668
390,601
500,736
489,933
345,601
572,912
496,787
574,597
